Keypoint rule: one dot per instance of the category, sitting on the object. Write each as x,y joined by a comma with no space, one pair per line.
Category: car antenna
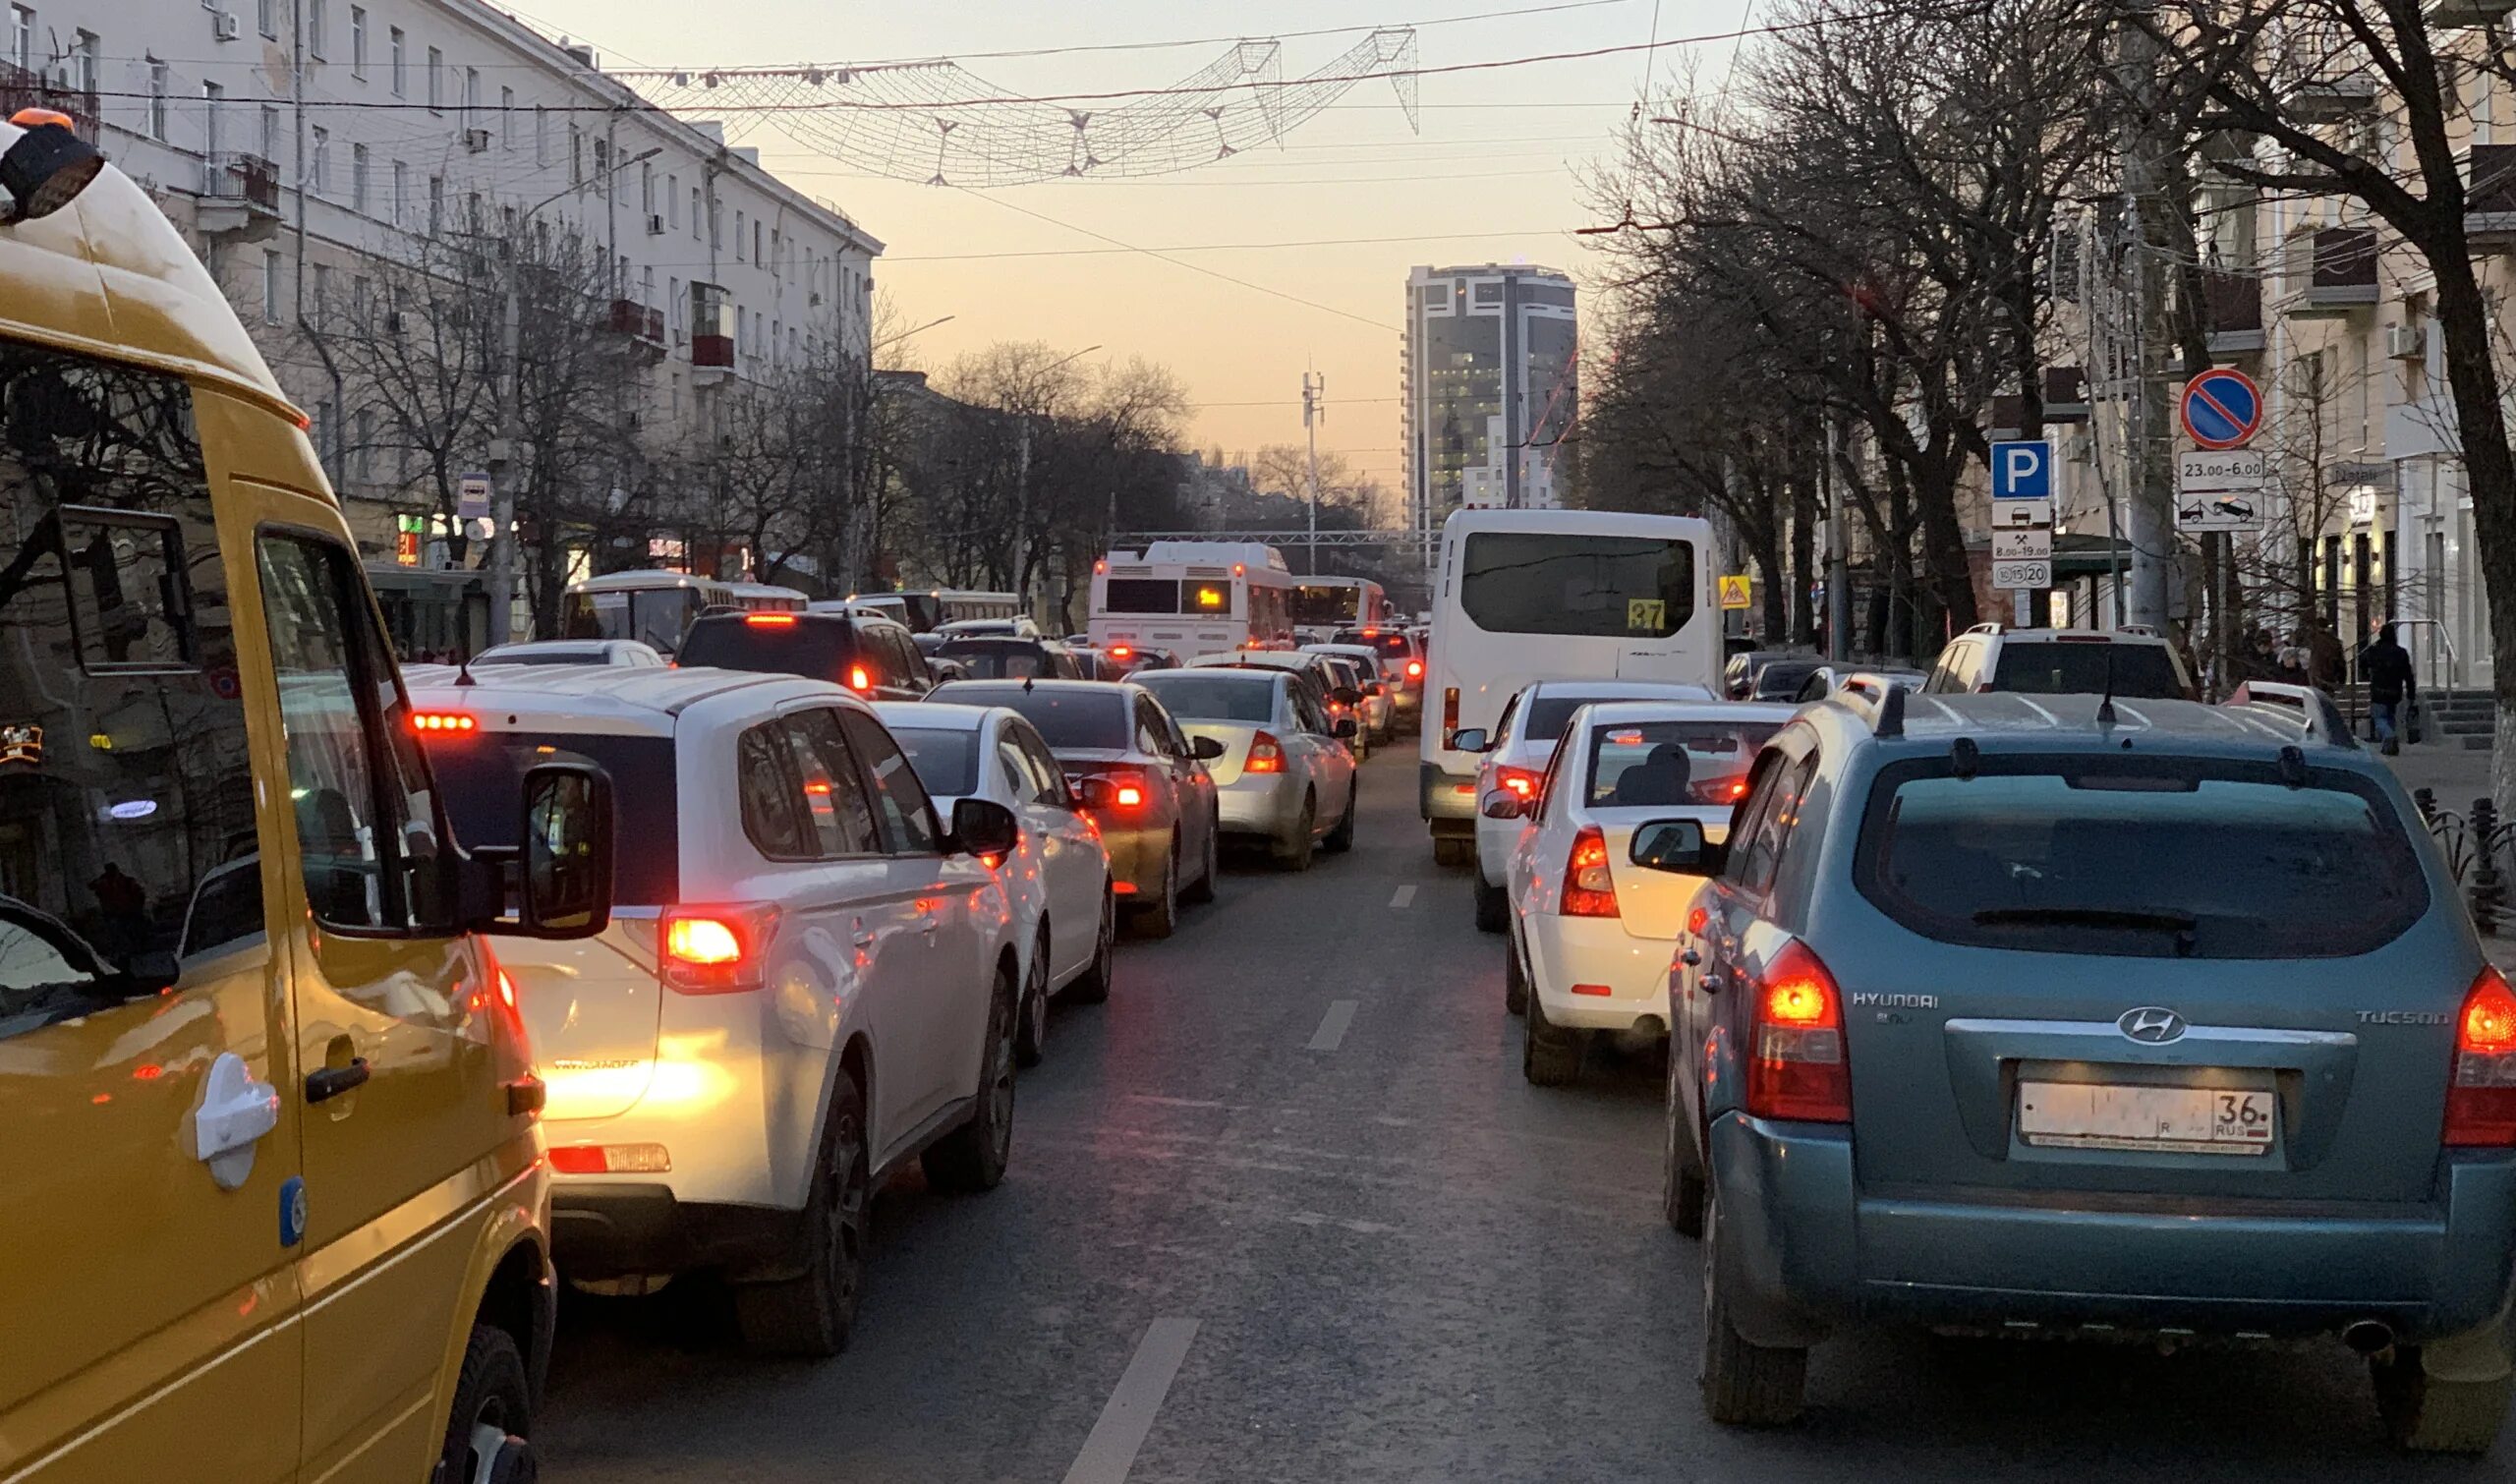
463,671
2105,703
1027,682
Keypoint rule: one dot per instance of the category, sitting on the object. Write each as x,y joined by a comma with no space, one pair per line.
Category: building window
267,18
158,78
401,190
694,214
506,119
755,244
540,135
647,188
602,167
401,63
315,28
318,167
22,37
361,296
436,81
212,116
739,237
358,178
576,155
358,41
321,286
270,287
363,456
673,200
470,97
86,57
672,307
271,134
646,286
436,204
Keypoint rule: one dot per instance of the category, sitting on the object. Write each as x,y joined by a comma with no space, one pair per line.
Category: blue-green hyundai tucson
2055,1015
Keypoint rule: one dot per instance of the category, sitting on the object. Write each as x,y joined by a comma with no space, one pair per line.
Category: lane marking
1127,1421
1332,1026
1406,898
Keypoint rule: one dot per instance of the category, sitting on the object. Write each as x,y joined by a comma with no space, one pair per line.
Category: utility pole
1314,395
505,449
2149,510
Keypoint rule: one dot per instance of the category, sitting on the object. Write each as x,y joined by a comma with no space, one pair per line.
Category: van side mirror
567,853
1095,792
1376,690
1206,749
1471,739
981,827
1345,695
1677,846
1503,804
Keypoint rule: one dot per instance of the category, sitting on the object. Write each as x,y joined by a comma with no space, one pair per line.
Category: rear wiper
2091,917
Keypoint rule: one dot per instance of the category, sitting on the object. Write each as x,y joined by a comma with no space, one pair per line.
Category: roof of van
1605,522
616,693
108,275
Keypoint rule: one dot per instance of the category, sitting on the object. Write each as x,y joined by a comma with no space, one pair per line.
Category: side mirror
1347,695
1376,690
567,856
1676,845
1095,792
982,827
1471,739
1503,804
1205,749
1343,730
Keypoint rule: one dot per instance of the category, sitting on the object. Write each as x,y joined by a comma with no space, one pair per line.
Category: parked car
1283,775
2127,663
627,654
998,658
1514,757
1380,694
874,656
1780,679
2039,1014
1058,879
811,979
1020,626
1588,932
1739,670
1130,658
1360,679
1160,824
1826,679
1401,666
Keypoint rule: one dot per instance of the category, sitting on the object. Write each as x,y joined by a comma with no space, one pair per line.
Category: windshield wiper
2152,921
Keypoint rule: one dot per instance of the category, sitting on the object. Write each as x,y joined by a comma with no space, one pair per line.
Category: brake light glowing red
1796,1064
1119,651
2481,1096
857,679
714,950
1519,780
770,620
1588,890
1415,670
1265,753
436,723
702,940
1130,796
612,1158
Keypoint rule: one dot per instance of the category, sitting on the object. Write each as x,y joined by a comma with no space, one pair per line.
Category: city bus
433,614
1192,597
1321,605
925,612
655,608
1553,594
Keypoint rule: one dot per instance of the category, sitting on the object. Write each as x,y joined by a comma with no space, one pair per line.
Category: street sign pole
2022,525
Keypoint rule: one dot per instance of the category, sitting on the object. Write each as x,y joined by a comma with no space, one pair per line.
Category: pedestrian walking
2386,665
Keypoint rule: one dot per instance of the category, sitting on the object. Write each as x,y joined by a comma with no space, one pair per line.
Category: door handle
236,1110
331,1081
863,939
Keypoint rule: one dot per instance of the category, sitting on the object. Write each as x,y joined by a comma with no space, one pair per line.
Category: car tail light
2480,1097
1796,1064
1415,670
437,724
858,679
612,1158
1266,755
1588,890
770,620
1520,780
714,950
1130,796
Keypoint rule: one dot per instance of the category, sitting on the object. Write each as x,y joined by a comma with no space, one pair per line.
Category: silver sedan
1284,775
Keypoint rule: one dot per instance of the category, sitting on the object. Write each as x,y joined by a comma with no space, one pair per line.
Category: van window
1609,587
2062,668
125,790
482,775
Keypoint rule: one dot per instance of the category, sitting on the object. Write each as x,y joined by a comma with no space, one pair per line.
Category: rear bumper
621,1230
1597,952
1446,799
1262,804
1137,857
1813,1251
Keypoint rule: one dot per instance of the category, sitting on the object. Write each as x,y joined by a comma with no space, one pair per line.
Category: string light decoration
937,123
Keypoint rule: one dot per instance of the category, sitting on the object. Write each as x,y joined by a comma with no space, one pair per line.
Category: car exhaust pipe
2368,1337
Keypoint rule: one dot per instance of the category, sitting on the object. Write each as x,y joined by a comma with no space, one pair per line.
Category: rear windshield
1194,697
2155,858
1394,646
482,775
2057,669
1140,594
946,760
803,648
1781,679
999,659
1068,719
1616,587
1548,714
1672,763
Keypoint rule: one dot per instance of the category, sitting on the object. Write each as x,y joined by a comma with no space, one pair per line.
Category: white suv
809,980
2132,664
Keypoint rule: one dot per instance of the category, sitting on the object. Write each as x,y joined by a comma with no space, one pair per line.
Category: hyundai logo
2152,1025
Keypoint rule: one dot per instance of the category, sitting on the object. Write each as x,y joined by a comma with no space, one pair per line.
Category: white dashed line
1406,898
1126,1422
1332,1026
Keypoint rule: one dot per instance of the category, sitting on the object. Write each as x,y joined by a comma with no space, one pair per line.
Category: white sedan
1058,879
1590,932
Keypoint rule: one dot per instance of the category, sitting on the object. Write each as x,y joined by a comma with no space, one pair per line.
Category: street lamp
890,340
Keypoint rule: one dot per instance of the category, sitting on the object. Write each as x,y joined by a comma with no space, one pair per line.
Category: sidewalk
2458,776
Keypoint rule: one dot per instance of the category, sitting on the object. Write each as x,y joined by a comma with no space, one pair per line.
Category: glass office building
1490,388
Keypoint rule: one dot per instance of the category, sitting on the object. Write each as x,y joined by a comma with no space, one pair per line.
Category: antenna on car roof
2105,703
463,671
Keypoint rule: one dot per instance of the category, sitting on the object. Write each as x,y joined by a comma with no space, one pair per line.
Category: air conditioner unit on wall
224,25
477,141
2406,342
655,225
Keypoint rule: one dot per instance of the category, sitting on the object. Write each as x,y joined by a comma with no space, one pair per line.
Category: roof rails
1988,628
2303,704
1882,703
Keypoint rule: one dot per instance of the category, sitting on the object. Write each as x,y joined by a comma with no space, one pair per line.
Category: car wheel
1034,1036
485,1434
1493,906
1094,987
1681,1170
2425,1414
1160,917
1296,856
1744,1384
1550,1055
1516,984
1451,852
811,1313
1341,838
1204,889
972,1158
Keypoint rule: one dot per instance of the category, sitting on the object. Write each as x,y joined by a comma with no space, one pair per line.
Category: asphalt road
1283,1209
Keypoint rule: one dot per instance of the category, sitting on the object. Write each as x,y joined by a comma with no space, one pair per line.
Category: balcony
2330,272
640,323
2232,312
2066,394
2330,100
2490,198
239,196
715,352
21,88
2450,13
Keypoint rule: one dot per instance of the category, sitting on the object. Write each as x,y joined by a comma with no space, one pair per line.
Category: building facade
1489,389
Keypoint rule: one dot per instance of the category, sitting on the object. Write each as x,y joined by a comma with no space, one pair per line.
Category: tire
1493,906
1682,1190
1744,1384
811,1313
2424,1414
1094,987
493,1413
1031,1037
1550,1056
1451,852
1516,985
1298,858
972,1158
1341,838
1160,918
1204,889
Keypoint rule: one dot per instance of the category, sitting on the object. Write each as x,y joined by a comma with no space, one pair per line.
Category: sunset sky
1493,176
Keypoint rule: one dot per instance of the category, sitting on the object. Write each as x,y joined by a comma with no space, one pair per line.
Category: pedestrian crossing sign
1734,593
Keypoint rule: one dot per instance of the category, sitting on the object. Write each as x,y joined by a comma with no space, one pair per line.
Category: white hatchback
1591,933
1058,880
809,979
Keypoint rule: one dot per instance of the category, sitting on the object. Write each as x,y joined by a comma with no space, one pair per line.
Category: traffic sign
2222,409
2033,576
2022,469
2220,490
2021,544
472,497
1737,592
2010,513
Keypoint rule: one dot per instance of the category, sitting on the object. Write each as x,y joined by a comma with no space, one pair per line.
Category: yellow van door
148,1201
402,1113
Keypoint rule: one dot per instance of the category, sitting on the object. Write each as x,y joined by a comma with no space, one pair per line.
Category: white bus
1321,605
925,612
655,608
1192,597
1553,594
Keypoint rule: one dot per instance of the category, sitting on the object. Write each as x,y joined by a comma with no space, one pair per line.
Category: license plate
2155,1119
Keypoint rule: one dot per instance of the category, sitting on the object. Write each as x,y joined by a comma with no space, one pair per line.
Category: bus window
1142,595
1616,587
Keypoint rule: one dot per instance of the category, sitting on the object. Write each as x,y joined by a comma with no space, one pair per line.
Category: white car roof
1638,690
1280,659
1627,713
612,700
932,716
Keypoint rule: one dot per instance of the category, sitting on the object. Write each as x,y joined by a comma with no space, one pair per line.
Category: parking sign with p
2023,469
